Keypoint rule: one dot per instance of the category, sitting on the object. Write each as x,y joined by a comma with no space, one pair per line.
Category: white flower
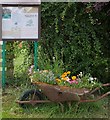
91,78
80,74
95,78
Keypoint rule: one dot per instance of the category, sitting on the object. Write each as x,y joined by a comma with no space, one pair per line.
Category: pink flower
72,81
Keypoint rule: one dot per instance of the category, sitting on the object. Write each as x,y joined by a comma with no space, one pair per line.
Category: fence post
3,65
36,55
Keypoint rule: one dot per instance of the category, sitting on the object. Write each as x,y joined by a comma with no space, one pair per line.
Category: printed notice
30,25
20,23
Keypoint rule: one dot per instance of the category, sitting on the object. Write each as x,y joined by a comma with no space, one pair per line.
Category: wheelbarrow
47,93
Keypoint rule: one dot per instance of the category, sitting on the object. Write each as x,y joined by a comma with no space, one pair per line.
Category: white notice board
20,23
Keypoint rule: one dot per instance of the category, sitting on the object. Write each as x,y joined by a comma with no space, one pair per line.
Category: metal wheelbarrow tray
59,94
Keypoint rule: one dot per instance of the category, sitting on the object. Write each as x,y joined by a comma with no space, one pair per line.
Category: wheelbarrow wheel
30,95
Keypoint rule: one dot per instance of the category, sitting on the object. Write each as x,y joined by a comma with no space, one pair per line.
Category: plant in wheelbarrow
67,87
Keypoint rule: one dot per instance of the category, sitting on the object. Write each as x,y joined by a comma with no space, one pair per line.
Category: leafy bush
78,34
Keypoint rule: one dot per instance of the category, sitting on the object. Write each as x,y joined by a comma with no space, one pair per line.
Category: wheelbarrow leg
69,105
62,107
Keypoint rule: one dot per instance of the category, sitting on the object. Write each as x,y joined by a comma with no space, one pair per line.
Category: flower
68,72
65,79
73,77
72,81
80,74
91,78
47,76
64,75
58,80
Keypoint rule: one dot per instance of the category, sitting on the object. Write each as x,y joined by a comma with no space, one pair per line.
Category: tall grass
51,110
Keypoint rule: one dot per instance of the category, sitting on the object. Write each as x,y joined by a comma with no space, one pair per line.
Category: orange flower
64,75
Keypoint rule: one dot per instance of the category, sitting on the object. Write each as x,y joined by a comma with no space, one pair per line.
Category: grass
50,110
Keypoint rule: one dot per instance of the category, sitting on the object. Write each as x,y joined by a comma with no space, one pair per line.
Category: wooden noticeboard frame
22,5
28,2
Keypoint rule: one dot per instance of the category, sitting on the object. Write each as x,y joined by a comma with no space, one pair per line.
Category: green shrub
76,35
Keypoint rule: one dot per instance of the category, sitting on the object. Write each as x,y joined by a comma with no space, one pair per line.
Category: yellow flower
58,80
73,77
68,72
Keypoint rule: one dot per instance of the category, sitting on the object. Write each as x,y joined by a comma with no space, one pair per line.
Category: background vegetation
74,36
78,36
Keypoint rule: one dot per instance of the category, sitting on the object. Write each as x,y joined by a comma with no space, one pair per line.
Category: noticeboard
20,22
28,2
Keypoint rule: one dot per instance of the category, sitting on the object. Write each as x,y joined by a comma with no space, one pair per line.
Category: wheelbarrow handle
95,100
103,85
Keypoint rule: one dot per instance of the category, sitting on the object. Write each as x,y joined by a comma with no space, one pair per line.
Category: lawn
50,110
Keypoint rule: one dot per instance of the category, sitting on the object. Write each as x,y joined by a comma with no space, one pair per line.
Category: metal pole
36,55
3,64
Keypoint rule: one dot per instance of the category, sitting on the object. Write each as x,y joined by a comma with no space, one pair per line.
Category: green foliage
22,62
74,31
18,59
73,35
43,76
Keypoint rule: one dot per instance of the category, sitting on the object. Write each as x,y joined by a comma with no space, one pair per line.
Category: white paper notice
6,28
6,24
29,25
16,23
20,23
